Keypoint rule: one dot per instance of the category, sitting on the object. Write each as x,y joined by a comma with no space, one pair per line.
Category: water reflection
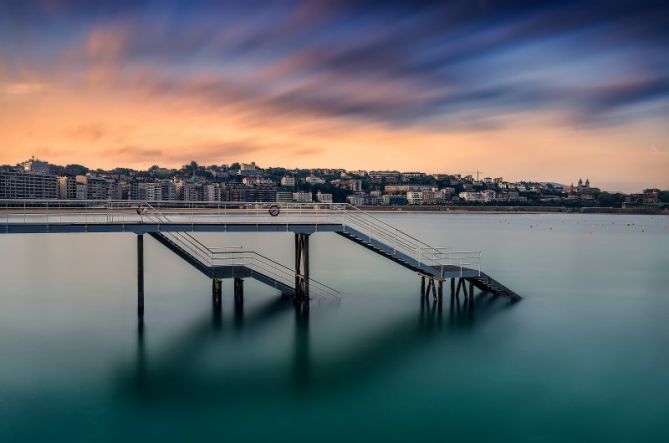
183,372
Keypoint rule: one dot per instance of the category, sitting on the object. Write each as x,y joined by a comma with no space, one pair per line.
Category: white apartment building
288,180
303,197
324,198
312,180
415,197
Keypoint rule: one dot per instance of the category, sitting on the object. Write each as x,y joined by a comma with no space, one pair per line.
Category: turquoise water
583,357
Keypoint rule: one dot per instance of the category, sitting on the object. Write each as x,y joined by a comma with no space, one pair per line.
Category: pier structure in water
174,226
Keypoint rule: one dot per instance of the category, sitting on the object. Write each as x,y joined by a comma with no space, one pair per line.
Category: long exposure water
583,357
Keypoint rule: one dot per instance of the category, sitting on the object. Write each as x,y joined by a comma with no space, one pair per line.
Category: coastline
516,210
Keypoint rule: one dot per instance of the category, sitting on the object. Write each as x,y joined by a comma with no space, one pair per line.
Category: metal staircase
408,251
229,262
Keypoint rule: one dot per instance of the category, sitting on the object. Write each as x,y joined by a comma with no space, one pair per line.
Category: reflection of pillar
140,276
301,355
238,286
140,374
301,267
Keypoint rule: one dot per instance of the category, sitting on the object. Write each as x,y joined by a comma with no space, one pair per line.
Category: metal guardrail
126,211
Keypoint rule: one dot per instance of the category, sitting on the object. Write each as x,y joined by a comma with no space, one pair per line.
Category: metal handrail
267,265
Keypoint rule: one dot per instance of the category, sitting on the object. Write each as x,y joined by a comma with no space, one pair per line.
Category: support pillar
140,277
217,294
301,267
452,287
440,291
471,291
239,290
431,288
422,285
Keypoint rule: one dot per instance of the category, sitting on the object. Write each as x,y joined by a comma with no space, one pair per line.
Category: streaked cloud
296,75
22,88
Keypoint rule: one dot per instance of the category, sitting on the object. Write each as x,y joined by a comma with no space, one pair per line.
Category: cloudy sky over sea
537,90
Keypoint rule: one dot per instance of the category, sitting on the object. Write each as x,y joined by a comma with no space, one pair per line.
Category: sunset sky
552,92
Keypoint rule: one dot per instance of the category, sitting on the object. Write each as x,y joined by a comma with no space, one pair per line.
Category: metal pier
173,224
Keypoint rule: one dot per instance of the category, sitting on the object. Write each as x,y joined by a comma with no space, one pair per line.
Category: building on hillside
384,176
470,196
212,192
303,197
414,197
249,169
488,195
192,192
323,198
402,189
362,199
313,180
67,188
257,180
288,181
97,188
284,197
393,200
20,185
261,193
36,166
433,197
410,176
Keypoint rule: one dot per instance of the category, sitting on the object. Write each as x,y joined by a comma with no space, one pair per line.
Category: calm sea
583,357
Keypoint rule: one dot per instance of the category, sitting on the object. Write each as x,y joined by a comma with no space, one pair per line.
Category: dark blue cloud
400,63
